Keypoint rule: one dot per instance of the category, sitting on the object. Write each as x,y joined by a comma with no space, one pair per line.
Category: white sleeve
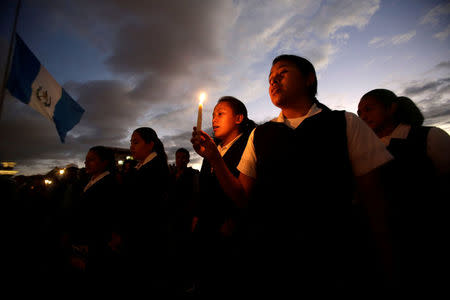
438,149
365,149
247,164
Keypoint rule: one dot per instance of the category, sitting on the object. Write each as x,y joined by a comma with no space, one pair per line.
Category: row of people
315,199
298,175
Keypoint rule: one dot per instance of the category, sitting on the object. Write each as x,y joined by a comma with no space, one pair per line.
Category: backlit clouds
436,14
335,15
403,38
398,39
443,35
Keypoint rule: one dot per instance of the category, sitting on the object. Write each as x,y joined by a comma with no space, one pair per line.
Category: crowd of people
314,200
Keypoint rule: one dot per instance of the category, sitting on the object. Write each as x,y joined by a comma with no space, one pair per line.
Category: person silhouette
418,181
146,225
298,176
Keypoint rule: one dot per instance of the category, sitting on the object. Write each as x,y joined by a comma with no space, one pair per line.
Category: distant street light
61,172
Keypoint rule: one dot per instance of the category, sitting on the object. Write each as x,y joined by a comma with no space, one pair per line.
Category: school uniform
432,142
301,212
219,253
418,189
146,224
215,206
93,220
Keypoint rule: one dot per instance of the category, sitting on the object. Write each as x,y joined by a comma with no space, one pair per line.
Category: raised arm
238,189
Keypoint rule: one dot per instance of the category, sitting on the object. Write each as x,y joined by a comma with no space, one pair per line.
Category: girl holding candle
217,217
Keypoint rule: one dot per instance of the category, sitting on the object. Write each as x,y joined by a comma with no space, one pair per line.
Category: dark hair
183,150
304,66
407,112
239,108
105,154
382,96
149,135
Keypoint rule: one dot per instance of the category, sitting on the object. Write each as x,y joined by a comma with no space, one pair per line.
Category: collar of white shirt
94,180
146,160
295,122
224,149
400,132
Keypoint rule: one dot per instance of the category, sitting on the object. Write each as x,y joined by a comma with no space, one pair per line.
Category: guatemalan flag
32,84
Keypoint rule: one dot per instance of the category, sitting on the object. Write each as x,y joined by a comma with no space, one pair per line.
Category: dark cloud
32,140
431,86
160,52
182,140
109,116
431,97
157,55
443,65
152,43
441,112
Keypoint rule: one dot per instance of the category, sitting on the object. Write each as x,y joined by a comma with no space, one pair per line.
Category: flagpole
8,62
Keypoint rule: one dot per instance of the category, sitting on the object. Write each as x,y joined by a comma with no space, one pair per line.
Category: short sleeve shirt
438,145
366,151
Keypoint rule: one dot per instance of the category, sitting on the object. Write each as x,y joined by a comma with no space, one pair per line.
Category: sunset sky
144,63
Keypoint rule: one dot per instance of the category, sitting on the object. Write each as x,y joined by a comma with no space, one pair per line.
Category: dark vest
411,153
215,206
145,204
304,188
414,183
412,178
94,216
417,210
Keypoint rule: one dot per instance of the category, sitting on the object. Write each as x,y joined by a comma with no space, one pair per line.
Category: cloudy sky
143,63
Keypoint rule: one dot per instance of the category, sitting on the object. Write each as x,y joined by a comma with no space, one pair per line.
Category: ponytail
149,135
407,112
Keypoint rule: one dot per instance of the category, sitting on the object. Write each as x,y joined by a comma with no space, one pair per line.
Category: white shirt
438,145
366,151
224,149
146,160
94,180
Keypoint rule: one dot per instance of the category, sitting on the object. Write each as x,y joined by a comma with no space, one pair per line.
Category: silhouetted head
98,160
144,141
182,158
382,110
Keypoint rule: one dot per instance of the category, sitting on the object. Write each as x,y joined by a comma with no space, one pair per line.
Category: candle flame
202,98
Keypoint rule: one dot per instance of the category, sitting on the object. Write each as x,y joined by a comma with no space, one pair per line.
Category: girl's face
374,113
139,148
225,122
286,84
94,164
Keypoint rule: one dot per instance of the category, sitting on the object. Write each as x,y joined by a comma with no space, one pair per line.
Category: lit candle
200,109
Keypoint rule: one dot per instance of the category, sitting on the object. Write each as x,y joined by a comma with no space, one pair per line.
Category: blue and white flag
32,84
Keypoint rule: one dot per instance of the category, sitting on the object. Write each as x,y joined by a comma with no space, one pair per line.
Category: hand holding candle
200,109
